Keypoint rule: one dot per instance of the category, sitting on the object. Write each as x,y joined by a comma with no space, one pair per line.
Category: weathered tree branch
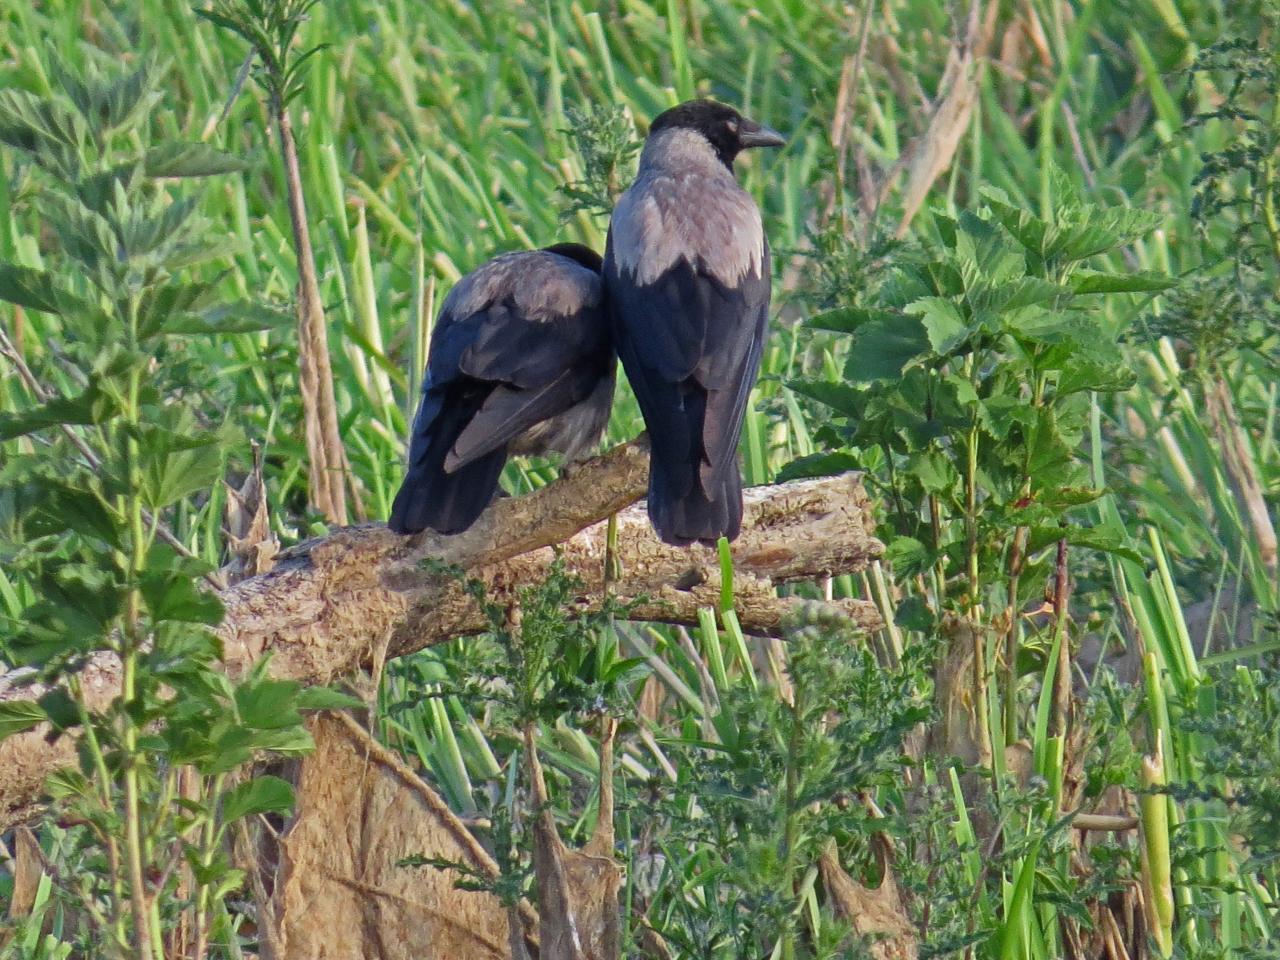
343,603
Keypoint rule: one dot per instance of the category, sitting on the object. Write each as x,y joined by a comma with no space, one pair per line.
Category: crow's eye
733,126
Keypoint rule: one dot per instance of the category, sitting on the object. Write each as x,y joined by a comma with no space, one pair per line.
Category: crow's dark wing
691,346
541,367
518,340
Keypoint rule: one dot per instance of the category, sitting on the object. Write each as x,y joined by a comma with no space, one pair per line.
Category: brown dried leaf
876,914
577,890
340,894
249,538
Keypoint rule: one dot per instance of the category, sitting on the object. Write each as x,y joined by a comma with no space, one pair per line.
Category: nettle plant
967,395
92,472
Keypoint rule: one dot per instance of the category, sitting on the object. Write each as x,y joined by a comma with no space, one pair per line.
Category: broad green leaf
934,470
1141,281
908,556
29,288
242,317
326,698
60,709
819,465
264,794
883,348
268,704
171,595
841,397
849,319
17,716
179,159
91,406
942,322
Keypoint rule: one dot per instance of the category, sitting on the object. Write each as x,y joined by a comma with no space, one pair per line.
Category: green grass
432,135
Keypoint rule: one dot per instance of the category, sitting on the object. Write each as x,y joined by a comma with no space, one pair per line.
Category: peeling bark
336,605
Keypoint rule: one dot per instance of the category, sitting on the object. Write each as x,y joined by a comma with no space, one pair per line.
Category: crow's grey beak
752,134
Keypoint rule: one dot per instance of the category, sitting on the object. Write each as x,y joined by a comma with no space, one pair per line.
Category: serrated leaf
1141,281
934,470
60,709
1116,543
91,406
241,317
18,716
908,556
883,348
913,613
841,397
942,322
29,288
179,159
849,319
268,704
178,598
265,794
819,465
326,698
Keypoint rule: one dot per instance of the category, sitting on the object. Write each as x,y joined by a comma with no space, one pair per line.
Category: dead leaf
878,914
340,893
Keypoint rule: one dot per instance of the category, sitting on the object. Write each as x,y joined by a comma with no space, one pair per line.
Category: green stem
791,823
1270,217
94,747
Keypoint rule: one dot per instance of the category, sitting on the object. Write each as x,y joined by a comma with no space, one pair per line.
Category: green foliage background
435,134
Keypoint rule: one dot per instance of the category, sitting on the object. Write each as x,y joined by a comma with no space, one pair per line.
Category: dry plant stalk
930,155
326,460
1240,466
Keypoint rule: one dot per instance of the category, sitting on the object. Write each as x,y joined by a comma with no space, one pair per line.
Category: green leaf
326,698
913,613
60,709
849,319
1114,542
883,348
841,397
174,595
934,470
17,716
29,288
241,317
178,459
908,556
942,322
1141,281
91,406
83,512
819,465
265,794
178,159
268,704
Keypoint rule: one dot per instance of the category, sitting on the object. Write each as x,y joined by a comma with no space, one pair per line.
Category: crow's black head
579,254
728,131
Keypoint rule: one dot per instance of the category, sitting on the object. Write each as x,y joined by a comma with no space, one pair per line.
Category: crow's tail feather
682,512
430,497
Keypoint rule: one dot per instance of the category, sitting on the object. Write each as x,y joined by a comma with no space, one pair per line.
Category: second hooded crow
687,273
521,362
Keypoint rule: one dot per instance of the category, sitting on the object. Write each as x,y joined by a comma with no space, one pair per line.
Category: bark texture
333,606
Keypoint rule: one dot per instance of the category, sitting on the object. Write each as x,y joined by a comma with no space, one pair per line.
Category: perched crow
521,362
687,275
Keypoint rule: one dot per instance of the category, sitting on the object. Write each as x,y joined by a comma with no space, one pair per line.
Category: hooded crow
521,362
687,274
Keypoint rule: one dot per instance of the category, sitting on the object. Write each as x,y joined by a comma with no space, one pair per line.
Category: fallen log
344,603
